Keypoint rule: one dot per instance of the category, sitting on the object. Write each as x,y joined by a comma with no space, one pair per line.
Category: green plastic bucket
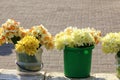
77,62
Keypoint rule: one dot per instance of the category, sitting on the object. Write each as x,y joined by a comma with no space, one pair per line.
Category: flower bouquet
77,45
28,43
111,44
77,38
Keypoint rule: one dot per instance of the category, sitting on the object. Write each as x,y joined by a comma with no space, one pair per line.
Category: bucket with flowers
111,44
28,43
77,45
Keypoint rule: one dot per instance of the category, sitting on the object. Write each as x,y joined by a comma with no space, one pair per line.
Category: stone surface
105,76
6,74
97,76
55,76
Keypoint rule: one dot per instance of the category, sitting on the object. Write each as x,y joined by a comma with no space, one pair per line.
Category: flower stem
15,39
118,54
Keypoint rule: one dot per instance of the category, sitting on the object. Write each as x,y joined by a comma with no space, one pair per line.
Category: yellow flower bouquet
12,32
111,44
74,37
28,43
42,37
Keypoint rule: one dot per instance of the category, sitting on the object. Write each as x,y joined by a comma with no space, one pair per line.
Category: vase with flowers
28,43
77,45
111,44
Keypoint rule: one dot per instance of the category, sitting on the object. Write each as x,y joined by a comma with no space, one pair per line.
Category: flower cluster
41,33
28,45
2,37
111,43
74,37
12,32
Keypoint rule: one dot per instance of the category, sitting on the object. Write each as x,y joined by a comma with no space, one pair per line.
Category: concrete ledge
6,74
96,76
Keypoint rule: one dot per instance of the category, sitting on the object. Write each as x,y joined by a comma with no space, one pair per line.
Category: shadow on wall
6,49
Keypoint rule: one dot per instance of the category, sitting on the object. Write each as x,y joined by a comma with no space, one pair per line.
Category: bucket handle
22,67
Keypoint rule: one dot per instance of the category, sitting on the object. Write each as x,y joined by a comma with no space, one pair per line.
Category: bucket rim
82,48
